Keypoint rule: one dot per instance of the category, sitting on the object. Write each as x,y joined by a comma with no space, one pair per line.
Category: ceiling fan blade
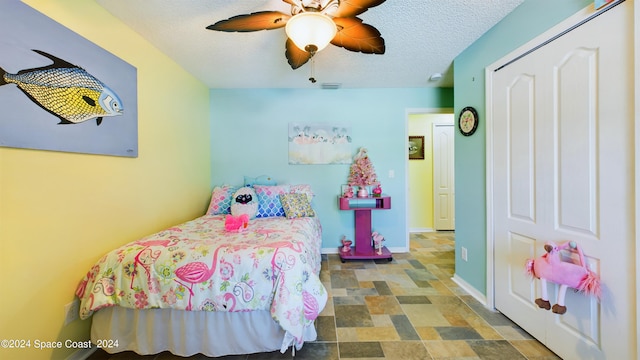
350,8
356,36
293,2
295,56
262,20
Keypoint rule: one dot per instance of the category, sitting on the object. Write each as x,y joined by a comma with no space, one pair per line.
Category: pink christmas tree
362,172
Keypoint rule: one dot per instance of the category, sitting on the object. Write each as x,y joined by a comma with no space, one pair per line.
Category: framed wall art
319,144
61,92
416,147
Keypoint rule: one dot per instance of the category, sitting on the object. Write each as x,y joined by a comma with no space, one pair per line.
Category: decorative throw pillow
244,202
302,189
296,206
260,180
221,200
269,200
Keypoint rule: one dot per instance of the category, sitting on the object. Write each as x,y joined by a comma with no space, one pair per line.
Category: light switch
392,174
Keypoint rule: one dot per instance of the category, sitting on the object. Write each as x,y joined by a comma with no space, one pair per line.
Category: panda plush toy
244,201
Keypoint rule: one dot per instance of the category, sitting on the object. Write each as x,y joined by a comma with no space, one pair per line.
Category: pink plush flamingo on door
195,273
566,274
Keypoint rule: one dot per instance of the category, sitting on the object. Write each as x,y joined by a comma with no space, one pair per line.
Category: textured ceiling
422,37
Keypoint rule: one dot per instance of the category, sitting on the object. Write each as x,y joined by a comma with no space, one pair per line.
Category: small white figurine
377,242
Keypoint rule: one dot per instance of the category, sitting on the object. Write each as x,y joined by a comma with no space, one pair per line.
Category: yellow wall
59,212
421,172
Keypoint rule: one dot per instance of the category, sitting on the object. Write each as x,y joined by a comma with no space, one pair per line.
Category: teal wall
527,21
249,137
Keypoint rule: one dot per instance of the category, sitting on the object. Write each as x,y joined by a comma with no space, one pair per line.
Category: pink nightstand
362,212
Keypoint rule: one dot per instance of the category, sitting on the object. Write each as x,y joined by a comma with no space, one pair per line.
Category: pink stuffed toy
550,267
236,223
348,192
346,244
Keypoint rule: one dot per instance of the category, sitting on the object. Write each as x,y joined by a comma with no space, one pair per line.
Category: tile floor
406,309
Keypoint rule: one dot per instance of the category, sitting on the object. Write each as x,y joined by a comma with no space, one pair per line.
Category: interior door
443,177
563,170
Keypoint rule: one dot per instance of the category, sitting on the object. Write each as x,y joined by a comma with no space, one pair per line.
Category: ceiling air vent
331,86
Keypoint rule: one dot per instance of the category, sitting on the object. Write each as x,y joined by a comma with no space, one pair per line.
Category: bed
199,288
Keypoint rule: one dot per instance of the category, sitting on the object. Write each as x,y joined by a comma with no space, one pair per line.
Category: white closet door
563,156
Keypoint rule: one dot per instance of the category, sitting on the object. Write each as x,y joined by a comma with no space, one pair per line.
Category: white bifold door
562,139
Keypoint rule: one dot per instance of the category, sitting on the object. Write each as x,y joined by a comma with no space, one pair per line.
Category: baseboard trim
470,289
421,230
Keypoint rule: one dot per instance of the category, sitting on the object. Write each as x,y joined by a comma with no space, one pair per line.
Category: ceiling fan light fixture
311,31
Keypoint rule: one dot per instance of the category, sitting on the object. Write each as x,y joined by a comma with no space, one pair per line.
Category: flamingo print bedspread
199,266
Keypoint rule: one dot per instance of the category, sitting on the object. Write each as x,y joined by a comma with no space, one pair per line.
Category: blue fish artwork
66,91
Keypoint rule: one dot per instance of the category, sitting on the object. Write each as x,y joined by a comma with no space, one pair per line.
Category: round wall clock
468,121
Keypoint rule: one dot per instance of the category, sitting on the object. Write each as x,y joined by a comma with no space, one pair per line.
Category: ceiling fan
346,30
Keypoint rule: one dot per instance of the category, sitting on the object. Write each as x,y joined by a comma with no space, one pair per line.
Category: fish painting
66,91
